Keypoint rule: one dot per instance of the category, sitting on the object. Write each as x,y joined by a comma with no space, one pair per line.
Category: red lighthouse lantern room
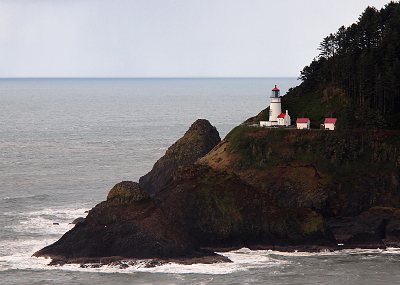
275,92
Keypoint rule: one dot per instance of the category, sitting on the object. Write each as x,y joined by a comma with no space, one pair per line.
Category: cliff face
218,209
259,188
198,207
199,139
336,174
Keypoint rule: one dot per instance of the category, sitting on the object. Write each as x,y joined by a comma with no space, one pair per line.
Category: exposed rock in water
198,140
197,208
127,225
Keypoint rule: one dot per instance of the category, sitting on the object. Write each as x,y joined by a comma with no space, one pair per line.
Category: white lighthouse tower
276,117
275,106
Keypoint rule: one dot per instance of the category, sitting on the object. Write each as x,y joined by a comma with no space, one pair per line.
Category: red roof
275,89
282,115
330,121
302,120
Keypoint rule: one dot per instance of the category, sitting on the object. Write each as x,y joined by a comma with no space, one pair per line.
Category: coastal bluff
350,178
258,188
197,211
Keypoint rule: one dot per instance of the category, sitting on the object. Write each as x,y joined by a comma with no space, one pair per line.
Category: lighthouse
276,117
275,106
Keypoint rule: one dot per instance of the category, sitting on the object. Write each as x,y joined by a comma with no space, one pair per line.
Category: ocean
64,143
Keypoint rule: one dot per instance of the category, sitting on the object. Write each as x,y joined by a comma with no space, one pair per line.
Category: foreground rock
198,208
199,139
129,224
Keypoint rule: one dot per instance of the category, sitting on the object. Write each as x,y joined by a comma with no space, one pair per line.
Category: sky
167,38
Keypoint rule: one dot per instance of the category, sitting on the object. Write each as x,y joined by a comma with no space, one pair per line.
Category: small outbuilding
330,123
302,123
284,119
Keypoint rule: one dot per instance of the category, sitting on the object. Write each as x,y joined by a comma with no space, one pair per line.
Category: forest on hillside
363,62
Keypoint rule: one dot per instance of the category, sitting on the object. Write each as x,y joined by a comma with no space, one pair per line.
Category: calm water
65,142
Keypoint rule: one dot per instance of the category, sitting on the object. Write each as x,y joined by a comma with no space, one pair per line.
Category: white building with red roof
330,123
302,123
276,117
284,119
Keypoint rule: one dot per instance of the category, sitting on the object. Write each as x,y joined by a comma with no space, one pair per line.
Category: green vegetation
331,152
356,76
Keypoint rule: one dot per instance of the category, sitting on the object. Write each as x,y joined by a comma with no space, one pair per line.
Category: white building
284,119
330,123
302,123
276,117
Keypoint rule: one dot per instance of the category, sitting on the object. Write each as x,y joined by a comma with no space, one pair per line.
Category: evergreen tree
362,60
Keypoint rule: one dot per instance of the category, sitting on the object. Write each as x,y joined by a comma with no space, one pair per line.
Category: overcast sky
167,38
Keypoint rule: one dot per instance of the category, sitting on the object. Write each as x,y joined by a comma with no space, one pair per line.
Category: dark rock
219,210
138,229
200,138
303,171
126,192
198,207
78,220
376,228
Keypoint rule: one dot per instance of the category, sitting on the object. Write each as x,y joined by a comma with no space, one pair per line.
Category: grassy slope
332,172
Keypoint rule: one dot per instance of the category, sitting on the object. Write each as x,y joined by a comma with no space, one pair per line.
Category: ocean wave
37,229
242,260
39,224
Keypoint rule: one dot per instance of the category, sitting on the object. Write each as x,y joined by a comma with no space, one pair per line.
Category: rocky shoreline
195,209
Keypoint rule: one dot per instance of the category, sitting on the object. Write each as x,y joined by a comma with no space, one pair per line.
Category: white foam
47,221
242,260
40,232
392,250
38,228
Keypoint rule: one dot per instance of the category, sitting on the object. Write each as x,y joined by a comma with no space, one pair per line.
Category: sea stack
198,140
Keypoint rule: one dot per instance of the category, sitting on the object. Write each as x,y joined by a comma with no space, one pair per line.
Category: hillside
356,76
333,173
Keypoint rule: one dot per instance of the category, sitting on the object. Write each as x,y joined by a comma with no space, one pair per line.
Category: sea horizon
219,77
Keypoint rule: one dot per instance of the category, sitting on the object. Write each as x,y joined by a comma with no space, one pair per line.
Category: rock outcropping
128,224
310,190
340,175
198,140
219,209
198,208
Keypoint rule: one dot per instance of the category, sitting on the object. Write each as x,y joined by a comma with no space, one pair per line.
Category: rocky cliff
198,140
219,209
337,174
258,188
197,208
